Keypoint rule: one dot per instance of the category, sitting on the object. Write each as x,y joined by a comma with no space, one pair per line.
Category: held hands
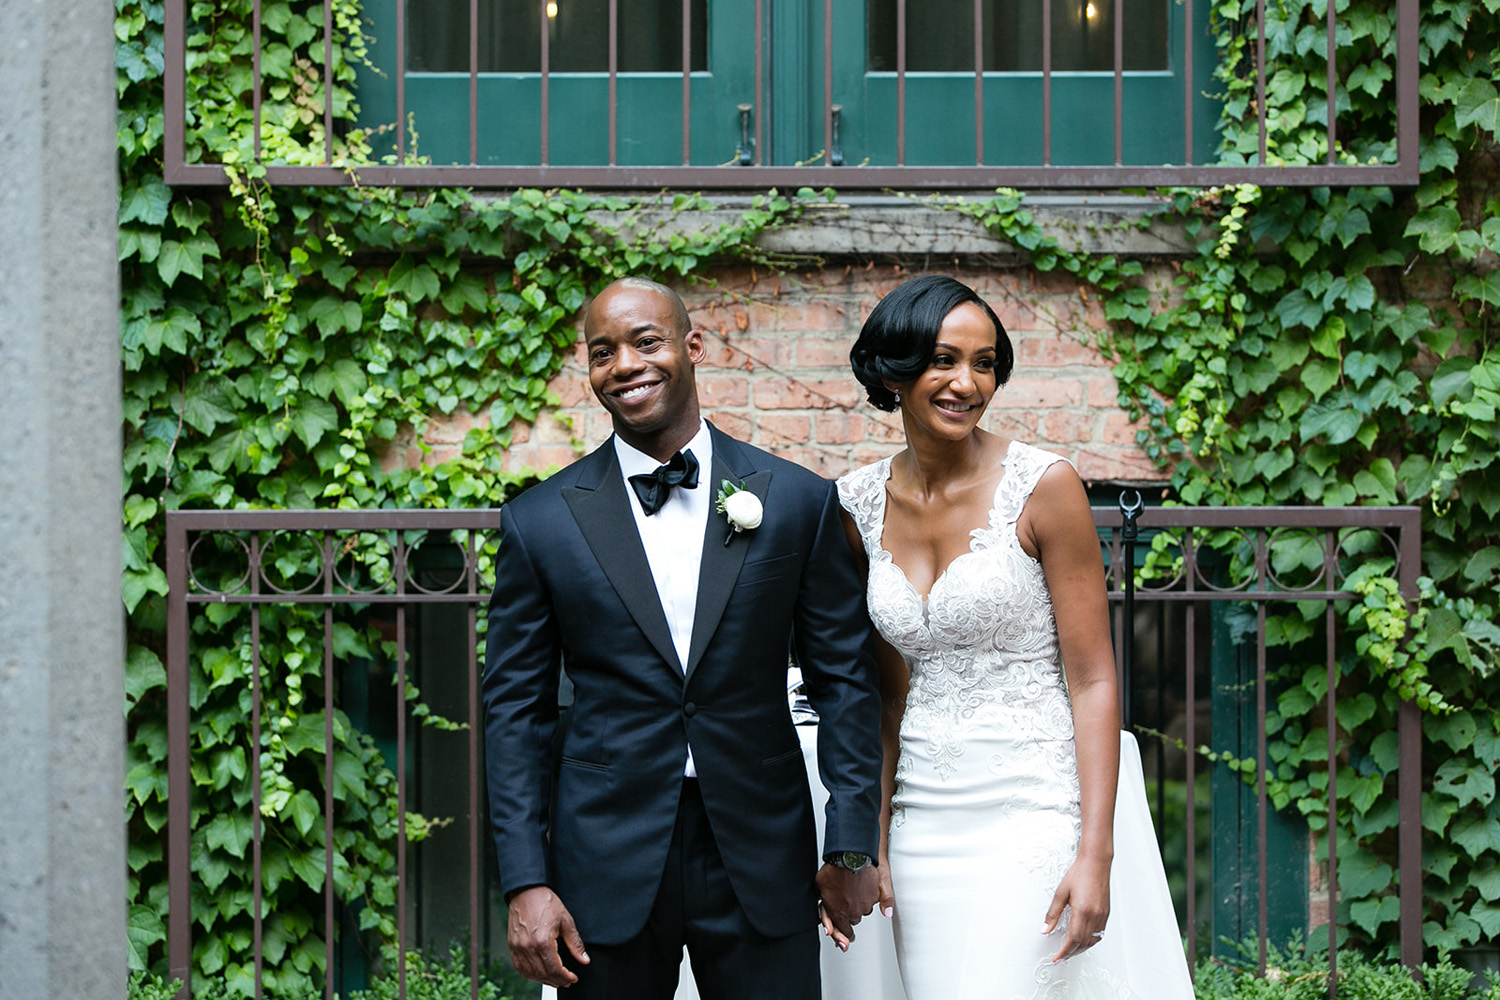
846,897
538,920
1085,890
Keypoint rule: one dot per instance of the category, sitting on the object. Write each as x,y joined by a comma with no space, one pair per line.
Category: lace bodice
982,647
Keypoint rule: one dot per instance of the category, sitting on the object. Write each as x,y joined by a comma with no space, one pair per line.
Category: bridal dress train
985,819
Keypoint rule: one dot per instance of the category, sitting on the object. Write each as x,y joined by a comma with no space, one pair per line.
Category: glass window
940,35
650,36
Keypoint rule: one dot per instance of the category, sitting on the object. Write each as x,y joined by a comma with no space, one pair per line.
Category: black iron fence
432,559
855,74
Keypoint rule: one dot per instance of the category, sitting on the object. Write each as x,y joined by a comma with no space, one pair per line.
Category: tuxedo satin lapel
604,516
721,563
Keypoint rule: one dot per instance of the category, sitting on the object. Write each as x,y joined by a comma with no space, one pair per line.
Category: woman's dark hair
897,340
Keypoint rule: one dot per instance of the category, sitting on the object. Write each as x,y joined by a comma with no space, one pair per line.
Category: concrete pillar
62,840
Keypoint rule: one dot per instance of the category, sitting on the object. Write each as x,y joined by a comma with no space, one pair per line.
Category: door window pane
650,36
940,35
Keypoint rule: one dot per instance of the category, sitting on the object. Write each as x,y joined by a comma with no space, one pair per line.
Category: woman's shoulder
863,481
1030,453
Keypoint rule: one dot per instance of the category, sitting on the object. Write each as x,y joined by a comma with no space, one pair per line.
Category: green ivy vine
274,344
1321,346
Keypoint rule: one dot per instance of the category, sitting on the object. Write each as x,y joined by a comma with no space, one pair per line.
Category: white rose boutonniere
741,508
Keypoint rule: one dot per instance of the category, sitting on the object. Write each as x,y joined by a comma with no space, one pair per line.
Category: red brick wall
777,375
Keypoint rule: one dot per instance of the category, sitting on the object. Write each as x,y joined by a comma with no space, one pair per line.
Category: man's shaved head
679,311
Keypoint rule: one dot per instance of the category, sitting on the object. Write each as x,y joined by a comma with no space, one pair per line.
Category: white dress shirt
673,539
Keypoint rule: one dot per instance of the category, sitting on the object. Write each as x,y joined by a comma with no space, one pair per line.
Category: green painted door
940,82
648,83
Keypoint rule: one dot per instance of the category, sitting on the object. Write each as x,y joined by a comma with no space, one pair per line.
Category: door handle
745,154
836,149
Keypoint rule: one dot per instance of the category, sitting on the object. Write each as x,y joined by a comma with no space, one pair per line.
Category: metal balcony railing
829,67
231,558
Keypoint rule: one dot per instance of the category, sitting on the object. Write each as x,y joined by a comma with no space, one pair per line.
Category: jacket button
689,709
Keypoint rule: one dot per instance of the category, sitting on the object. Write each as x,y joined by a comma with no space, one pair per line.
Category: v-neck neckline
973,533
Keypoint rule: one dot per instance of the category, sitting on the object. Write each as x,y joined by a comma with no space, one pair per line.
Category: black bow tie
653,488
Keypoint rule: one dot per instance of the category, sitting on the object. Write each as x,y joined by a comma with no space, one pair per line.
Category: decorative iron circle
1297,558
267,560
1356,546
219,537
346,568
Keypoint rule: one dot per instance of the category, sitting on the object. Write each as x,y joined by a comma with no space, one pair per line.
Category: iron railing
750,171
254,536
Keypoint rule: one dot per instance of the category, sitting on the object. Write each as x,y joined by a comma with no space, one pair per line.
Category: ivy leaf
465,290
1459,778
134,586
1370,77
143,928
1327,338
417,282
1378,481
1485,288
1361,293
1482,564
185,257
344,379
1345,223
229,766
1337,423
229,831
1369,914
1436,228
1478,105
1486,914
143,672
312,418
1476,834
208,402
1297,308
1320,375
231,449
305,812
1386,751
308,865
1450,379
332,314
146,202
1362,873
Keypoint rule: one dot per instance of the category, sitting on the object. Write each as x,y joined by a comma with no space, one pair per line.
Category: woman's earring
898,396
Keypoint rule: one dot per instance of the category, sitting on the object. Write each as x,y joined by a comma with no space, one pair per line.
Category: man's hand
538,920
846,897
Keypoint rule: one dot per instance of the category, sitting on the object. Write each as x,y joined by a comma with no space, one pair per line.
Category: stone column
62,838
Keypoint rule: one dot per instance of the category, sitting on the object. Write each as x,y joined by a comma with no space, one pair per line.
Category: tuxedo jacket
573,588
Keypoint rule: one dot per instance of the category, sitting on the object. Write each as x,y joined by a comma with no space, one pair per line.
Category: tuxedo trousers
696,907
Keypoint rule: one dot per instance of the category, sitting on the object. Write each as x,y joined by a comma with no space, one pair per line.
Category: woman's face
949,398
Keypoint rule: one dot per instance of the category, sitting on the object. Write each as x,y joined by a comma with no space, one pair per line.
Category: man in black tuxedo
681,813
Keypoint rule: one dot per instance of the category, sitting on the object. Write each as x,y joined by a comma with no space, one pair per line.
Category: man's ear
697,349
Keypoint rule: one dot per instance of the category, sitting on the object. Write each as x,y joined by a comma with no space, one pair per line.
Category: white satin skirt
975,860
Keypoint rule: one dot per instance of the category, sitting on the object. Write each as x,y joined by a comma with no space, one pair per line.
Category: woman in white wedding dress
1011,869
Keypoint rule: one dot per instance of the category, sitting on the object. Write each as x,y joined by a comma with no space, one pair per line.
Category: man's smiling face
641,355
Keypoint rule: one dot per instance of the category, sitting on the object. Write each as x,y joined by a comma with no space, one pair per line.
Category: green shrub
1295,974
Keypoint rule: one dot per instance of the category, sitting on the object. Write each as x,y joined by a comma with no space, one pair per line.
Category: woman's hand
887,906
1085,890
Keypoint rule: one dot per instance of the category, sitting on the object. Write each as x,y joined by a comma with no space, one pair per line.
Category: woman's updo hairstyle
897,341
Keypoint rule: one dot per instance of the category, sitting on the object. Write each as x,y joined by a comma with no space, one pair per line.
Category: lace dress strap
1024,467
862,494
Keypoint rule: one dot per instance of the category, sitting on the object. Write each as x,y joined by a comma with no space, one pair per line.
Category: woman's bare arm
1057,528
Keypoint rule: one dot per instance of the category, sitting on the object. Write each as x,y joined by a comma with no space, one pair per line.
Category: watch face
854,861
